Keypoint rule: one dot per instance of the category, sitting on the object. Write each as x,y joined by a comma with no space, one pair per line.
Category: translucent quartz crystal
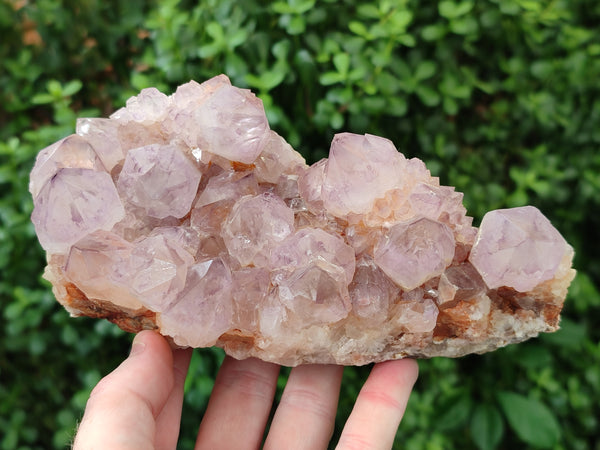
160,179
518,248
97,264
187,214
72,204
70,152
372,160
203,309
255,226
412,253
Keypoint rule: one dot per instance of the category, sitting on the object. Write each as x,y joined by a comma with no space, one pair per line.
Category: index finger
123,407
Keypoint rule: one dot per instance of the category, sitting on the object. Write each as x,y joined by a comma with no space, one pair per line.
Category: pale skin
138,405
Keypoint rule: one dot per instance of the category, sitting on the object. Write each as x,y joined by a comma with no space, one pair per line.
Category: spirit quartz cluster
187,214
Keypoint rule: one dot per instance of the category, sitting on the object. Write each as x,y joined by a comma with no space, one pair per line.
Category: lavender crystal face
72,204
187,214
412,253
159,179
518,248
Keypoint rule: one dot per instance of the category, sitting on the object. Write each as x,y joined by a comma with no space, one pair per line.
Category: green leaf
531,420
336,121
296,25
71,88
428,96
433,32
281,49
368,10
450,106
466,26
54,88
425,69
360,29
282,8
456,414
341,61
487,427
451,10
407,40
329,78
267,80
400,19
583,293
397,106
209,50
42,99
215,31
571,335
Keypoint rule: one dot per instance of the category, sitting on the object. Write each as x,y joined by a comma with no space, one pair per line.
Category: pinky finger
380,406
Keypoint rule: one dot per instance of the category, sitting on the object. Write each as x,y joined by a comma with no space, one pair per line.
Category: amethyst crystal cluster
187,214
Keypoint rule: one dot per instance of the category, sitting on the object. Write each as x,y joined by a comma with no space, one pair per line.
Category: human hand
138,405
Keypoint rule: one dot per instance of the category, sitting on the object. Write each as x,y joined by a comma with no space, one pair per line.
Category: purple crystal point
160,179
255,226
518,248
98,265
74,203
227,121
412,253
203,309
70,152
360,169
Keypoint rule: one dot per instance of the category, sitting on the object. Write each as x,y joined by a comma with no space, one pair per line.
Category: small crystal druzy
187,214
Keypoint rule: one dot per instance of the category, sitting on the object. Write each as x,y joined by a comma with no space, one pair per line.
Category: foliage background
500,98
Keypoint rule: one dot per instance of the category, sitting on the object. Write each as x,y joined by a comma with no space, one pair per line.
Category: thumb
122,409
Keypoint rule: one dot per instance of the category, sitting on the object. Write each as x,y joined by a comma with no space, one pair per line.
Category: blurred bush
499,97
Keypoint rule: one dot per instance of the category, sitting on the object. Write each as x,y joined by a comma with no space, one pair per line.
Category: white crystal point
277,159
250,288
203,310
372,292
417,316
412,253
98,265
193,94
228,186
309,245
150,105
360,170
518,248
70,152
255,226
227,121
103,136
160,179
74,203
158,267
312,272
310,185
316,293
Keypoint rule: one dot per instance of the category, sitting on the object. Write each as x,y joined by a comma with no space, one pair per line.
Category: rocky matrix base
187,214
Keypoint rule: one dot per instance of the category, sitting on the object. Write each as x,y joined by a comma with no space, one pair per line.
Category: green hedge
499,97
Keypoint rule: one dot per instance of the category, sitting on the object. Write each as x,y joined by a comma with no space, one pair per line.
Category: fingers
380,406
169,419
239,406
122,408
305,416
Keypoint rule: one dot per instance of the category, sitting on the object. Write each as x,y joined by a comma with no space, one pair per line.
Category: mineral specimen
187,214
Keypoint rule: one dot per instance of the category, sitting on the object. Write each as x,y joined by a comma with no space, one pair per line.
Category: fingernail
137,347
